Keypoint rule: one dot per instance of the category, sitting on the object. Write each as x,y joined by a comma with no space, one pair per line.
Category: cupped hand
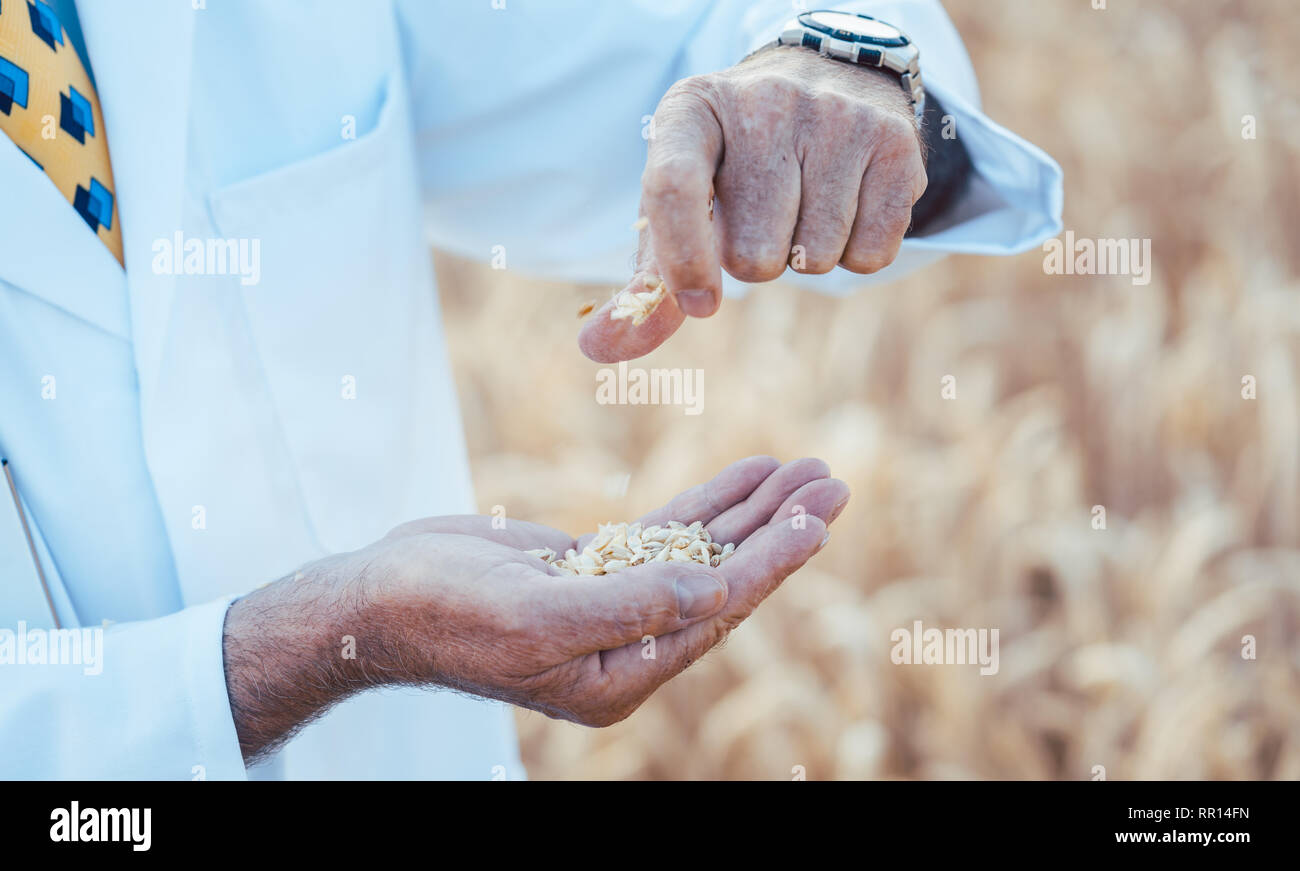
455,602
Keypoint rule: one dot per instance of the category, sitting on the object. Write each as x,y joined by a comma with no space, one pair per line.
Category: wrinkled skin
451,601
806,161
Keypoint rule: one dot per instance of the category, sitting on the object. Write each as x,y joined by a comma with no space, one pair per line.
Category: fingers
780,162
740,521
758,183
773,554
894,181
824,498
590,614
676,192
706,501
833,164
627,634
766,559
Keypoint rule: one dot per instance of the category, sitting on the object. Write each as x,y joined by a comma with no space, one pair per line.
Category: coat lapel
46,248
141,53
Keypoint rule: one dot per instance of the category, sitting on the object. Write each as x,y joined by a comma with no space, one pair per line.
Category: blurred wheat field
1120,647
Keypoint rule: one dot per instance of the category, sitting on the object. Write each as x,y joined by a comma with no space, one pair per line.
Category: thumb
686,146
610,611
605,340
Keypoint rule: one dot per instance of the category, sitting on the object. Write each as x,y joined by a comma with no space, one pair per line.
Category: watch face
844,25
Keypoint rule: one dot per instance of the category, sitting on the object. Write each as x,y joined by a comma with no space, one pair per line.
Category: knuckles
779,91
675,177
918,179
700,88
815,264
766,106
754,261
838,110
895,134
865,264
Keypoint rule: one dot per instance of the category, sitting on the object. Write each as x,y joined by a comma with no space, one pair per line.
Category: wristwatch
860,39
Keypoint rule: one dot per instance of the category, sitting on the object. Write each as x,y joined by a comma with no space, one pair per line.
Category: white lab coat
198,443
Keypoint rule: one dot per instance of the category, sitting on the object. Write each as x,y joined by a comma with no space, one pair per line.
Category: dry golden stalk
618,546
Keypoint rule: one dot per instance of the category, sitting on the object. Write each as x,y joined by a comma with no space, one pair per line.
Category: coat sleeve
532,124
145,700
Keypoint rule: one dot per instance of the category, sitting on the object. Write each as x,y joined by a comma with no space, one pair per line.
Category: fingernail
696,303
839,506
824,540
699,595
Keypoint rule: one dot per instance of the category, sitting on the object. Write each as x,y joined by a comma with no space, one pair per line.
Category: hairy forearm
285,657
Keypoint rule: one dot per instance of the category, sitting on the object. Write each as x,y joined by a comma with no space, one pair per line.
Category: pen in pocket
31,545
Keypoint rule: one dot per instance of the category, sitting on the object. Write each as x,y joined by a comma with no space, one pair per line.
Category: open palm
515,628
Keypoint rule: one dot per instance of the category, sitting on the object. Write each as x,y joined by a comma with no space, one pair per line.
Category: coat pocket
344,318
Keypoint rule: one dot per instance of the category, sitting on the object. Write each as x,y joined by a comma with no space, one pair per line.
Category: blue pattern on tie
95,205
75,115
13,86
45,23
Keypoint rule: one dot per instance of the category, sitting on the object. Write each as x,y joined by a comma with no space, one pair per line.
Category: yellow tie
49,109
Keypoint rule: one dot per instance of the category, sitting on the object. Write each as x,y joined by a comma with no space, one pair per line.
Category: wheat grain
619,546
639,305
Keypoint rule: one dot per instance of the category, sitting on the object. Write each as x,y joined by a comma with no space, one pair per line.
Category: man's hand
453,602
787,158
